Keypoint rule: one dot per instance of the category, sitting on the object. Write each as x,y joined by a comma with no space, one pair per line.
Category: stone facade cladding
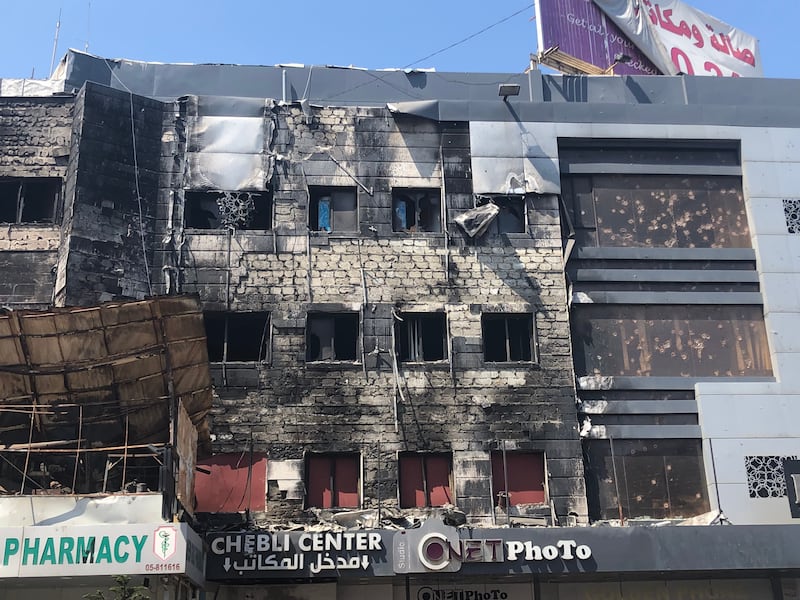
35,136
464,405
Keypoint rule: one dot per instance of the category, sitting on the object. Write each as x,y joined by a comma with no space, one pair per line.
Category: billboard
656,36
682,39
579,28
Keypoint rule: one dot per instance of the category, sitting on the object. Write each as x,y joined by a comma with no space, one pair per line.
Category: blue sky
366,33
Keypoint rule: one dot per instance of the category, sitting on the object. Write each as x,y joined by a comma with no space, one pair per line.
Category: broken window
29,200
508,337
518,478
511,216
332,336
425,479
421,337
228,210
659,478
332,480
670,340
616,196
237,336
333,209
416,210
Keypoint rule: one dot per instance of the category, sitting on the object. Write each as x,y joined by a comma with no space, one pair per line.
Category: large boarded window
425,479
518,478
658,478
332,480
670,340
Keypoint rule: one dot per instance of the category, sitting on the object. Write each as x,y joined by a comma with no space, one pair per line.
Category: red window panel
332,481
234,484
425,480
525,474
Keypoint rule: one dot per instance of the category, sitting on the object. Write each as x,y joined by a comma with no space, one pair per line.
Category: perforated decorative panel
765,478
791,208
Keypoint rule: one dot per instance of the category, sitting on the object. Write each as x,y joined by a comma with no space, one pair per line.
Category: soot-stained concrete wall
464,405
35,137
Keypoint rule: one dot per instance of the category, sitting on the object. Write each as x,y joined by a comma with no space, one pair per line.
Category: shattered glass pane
670,211
670,340
654,478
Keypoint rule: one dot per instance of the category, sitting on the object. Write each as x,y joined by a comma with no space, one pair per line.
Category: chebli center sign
435,547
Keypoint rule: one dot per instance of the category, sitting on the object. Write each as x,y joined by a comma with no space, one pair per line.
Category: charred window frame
509,337
421,337
512,217
332,336
237,336
417,210
425,479
656,478
227,210
518,478
29,199
333,209
333,480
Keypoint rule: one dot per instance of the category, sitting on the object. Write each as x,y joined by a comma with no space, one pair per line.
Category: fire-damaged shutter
524,474
425,479
332,480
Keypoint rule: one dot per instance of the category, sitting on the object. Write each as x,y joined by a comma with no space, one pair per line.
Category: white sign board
680,39
75,550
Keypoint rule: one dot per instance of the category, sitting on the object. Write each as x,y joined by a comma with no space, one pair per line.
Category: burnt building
452,332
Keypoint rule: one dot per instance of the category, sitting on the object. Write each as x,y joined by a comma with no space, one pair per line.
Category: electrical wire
469,37
136,177
382,79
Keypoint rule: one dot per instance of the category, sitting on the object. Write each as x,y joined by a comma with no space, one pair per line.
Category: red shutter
438,471
233,485
346,481
525,477
412,492
318,480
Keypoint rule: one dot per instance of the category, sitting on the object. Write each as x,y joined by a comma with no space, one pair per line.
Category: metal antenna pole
55,44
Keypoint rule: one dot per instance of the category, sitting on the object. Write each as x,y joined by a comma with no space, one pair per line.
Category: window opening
525,474
511,215
416,210
30,200
332,481
508,337
332,336
660,479
333,209
670,340
421,337
231,210
425,479
662,211
237,337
